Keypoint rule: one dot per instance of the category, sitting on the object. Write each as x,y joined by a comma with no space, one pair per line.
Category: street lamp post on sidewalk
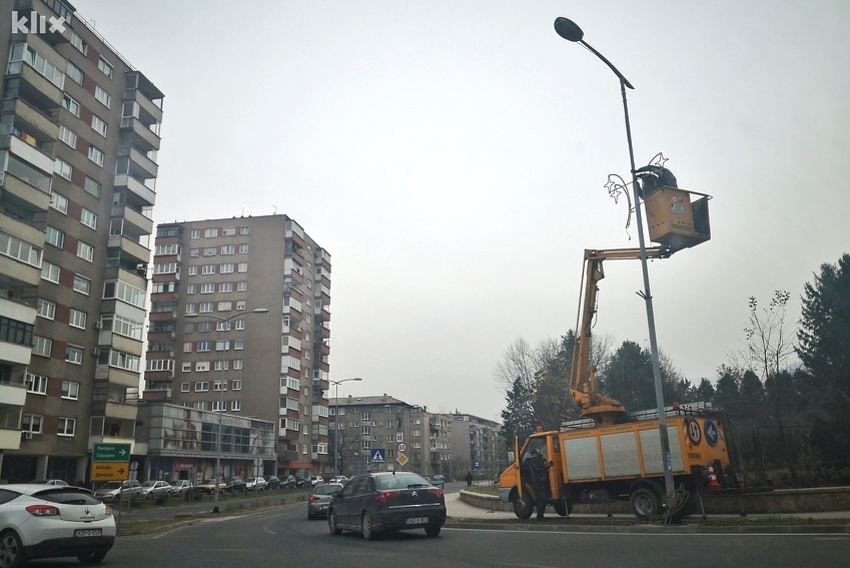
217,472
336,420
570,31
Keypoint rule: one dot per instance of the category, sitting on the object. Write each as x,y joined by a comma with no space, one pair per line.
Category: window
240,305
202,386
70,390
63,168
96,155
184,387
228,231
226,268
223,325
204,327
240,324
92,186
219,386
242,267
236,384
98,125
235,405
222,345
54,236
77,319
244,230
194,252
78,42
238,344
187,347
225,306
31,423
205,308
105,67
237,364
228,249
74,354
102,96
85,251
88,218
190,289
49,272
202,366
243,248
59,202
75,73
219,406
66,426
204,346
225,287
124,361
71,105
209,251
46,309
207,288
186,368
36,384
208,269
82,284
242,286
68,136
210,233
41,346
195,234
221,365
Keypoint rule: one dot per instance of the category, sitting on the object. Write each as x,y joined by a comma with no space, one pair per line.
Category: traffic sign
109,471
402,459
402,447
378,456
111,453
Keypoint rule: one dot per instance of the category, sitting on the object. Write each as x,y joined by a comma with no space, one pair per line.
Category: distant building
79,133
475,442
209,351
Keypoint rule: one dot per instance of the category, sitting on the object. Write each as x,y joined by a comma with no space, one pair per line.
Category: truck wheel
524,506
646,503
564,507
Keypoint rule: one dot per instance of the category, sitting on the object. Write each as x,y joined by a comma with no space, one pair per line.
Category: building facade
382,433
475,442
240,325
79,132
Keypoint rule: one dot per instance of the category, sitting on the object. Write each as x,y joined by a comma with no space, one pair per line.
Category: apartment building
79,131
240,326
382,433
475,443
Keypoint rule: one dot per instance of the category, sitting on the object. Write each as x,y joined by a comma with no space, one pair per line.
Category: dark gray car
317,504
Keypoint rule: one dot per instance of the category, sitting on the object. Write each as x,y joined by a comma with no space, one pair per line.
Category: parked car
236,485
339,479
320,498
128,491
180,487
208,486
153,490
255,483
50,482
305,482
387,501
437,481
39,520
315,480
289,482
273,482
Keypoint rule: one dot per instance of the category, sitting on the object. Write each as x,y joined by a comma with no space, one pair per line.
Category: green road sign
111,453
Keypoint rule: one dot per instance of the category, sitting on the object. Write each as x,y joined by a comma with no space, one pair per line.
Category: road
283,536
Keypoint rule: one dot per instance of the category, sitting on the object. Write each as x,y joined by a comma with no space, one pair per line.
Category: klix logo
35,23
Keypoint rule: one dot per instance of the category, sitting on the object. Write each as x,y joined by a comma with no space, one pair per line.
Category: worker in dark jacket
540,471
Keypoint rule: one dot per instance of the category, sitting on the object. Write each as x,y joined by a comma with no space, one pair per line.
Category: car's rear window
400,481
326,489
70,497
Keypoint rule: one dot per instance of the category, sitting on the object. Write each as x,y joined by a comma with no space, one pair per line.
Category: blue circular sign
712,434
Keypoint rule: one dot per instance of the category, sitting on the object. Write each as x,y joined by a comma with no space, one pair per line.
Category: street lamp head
260,310
568,29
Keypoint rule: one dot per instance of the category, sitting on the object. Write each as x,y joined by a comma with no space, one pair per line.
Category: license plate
417,520
86,532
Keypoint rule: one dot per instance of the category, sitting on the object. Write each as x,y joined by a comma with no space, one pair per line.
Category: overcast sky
452,155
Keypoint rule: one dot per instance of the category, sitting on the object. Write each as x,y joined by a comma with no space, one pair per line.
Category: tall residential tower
79,131
240,327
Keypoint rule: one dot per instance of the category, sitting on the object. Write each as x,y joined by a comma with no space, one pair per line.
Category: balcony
29,154
134,162
140,254
30,119
141,136
136,187
130,277
142,223
25,82
117,376
21,197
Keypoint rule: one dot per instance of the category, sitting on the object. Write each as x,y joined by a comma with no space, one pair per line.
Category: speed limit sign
402,447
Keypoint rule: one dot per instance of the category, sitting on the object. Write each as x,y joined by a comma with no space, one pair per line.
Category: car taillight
313,498
438,492
43,511
384,497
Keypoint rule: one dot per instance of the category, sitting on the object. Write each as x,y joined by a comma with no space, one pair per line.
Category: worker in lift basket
540,469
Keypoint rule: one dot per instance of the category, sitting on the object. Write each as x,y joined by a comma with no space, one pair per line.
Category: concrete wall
771,502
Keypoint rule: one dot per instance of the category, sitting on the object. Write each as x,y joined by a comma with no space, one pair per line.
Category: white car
152,490
52,521
255,484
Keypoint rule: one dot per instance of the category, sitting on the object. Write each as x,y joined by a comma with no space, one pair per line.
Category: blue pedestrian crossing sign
378,456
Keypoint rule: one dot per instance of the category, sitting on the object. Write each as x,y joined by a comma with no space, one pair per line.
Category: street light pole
336,420
218,444
570,31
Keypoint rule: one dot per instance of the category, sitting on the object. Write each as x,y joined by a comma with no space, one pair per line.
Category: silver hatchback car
317,504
